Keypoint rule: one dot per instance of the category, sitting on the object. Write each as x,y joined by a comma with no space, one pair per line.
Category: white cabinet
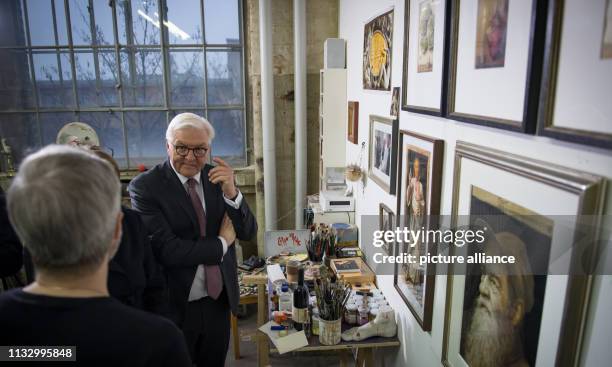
332,121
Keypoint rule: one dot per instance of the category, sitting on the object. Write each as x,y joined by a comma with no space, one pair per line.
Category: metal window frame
164,47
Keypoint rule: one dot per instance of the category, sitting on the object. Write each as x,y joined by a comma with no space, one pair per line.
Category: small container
315,321
377,298
329,332
350,314
357,297
292,271
359,303
376,292
363,318
285,299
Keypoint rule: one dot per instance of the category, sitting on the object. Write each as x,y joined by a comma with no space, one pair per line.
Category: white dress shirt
198,287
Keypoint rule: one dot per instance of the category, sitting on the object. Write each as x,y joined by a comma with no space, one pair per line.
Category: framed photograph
377,45
519,313
426,29
579,43
418,207
386,222
353,122
394,111
383,152
495,58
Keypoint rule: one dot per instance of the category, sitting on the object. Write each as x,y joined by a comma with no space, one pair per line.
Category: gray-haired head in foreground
63,204
189,120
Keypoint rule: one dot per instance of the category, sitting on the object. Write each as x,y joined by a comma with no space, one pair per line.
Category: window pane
21,133
187,78
224,74
53,79
97,89
184,22
103,17
221,21
146,137
229,142
139,23
80,16
16,89
12,30
60,19
52,122
108,127
142,78
39,12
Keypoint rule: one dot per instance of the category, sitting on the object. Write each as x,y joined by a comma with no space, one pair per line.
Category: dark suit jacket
134,277
171,220
10,247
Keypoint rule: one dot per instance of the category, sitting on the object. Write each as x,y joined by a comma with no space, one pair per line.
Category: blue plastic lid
285,288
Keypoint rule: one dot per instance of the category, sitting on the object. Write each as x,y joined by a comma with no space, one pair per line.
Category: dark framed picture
495,59
377,46
519,313
575,47
352,134
386,222
394,111
383,152
418,207
426,29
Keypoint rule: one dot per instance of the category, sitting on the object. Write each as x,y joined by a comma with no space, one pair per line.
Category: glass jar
363,317
350,314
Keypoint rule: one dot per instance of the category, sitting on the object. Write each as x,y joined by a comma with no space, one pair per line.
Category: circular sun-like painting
378,52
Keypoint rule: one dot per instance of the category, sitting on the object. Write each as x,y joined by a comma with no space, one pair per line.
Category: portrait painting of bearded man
502,309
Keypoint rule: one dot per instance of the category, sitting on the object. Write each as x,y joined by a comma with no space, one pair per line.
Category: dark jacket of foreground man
10,247
167,212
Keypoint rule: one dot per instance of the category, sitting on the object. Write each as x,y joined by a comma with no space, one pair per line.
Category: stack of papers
284,344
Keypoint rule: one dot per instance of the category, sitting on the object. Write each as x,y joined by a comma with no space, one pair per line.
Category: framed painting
353,122
495,59
394,111
383,152
377,46
386,222
529,311
426,29
418,207
578,43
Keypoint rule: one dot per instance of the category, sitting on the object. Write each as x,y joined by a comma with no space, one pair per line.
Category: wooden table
364,348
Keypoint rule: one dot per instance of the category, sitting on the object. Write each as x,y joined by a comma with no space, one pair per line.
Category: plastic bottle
285,302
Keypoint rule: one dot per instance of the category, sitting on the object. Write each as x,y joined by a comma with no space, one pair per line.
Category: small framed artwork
395,102
353,122
426,28
377,46
528,312
383,152
580,39
386,222
496,48
418,206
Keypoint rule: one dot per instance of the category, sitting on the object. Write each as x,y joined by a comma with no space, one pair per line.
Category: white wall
425,348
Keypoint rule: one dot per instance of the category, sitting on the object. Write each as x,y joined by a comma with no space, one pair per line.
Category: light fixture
172,28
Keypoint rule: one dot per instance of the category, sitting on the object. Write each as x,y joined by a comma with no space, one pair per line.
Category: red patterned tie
214,283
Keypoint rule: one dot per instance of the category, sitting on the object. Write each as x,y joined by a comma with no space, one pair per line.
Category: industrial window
124,67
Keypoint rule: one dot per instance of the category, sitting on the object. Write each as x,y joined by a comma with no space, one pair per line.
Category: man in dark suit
194,212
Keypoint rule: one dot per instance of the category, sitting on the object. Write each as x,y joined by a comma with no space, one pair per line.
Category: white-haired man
493,335
194,213
65,206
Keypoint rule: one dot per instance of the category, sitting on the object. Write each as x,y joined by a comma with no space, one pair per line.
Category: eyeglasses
183,151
